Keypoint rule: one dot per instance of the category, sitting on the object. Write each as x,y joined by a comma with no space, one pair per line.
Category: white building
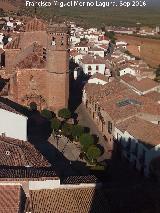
98,79
140,142
127,71
96,51
74,40
93,64
13,124
82,48
122,44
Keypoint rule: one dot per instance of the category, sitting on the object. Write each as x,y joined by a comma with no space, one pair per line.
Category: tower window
53,41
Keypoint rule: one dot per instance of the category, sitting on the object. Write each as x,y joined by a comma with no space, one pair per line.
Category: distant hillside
10,5
96,16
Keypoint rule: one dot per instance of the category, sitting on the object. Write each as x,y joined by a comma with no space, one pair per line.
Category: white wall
96,81
127,71
100,53
93,70
150,153
13,125
44,184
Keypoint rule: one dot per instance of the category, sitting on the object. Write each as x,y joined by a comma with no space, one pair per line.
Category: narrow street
86,121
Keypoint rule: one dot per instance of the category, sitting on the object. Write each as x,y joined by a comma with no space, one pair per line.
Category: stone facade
39,66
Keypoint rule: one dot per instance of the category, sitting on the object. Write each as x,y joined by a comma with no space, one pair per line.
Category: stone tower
58,66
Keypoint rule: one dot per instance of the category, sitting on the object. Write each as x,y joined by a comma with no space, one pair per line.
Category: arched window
53,43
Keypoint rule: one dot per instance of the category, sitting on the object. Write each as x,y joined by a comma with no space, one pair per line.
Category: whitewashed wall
44,184
96,81
13,125
93,66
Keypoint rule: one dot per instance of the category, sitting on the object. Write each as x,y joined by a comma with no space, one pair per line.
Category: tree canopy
67,129
93,153
158,71
47,114
86,140
33,106
64,113
77,131
55,124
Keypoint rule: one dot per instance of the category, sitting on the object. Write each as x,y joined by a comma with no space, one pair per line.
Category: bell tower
58,65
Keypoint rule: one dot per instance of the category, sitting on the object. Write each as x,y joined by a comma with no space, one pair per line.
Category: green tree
47,114
33,106
64,113
55,124
93,153
67,129
158,71
77,131
86,140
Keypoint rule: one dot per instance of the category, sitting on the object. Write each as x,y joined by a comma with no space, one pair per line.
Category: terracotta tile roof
141,85
12,173
1,51
10,197
144,84
32,61
96,49
99,76
128,78
149,134
73,200
35,25
79,179
81,44
74,53
119,101
8,108
14,44
14,152
155,96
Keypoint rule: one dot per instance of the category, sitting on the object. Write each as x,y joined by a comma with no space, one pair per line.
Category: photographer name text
86,3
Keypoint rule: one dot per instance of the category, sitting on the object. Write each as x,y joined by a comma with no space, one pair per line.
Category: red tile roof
10,173
142,85
10,197
145,131
99,76
73,200
87,59
14,152
8,108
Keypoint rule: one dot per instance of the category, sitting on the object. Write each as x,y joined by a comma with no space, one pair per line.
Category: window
110,127
95,107
89,68
97,67
53,41
3,134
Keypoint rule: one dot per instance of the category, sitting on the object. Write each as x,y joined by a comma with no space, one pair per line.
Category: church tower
58,66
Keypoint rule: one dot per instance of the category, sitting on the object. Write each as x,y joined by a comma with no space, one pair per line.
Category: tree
64,113
55,124
93,153
67,129
33,106
158,71
77,131
86,140
47,114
